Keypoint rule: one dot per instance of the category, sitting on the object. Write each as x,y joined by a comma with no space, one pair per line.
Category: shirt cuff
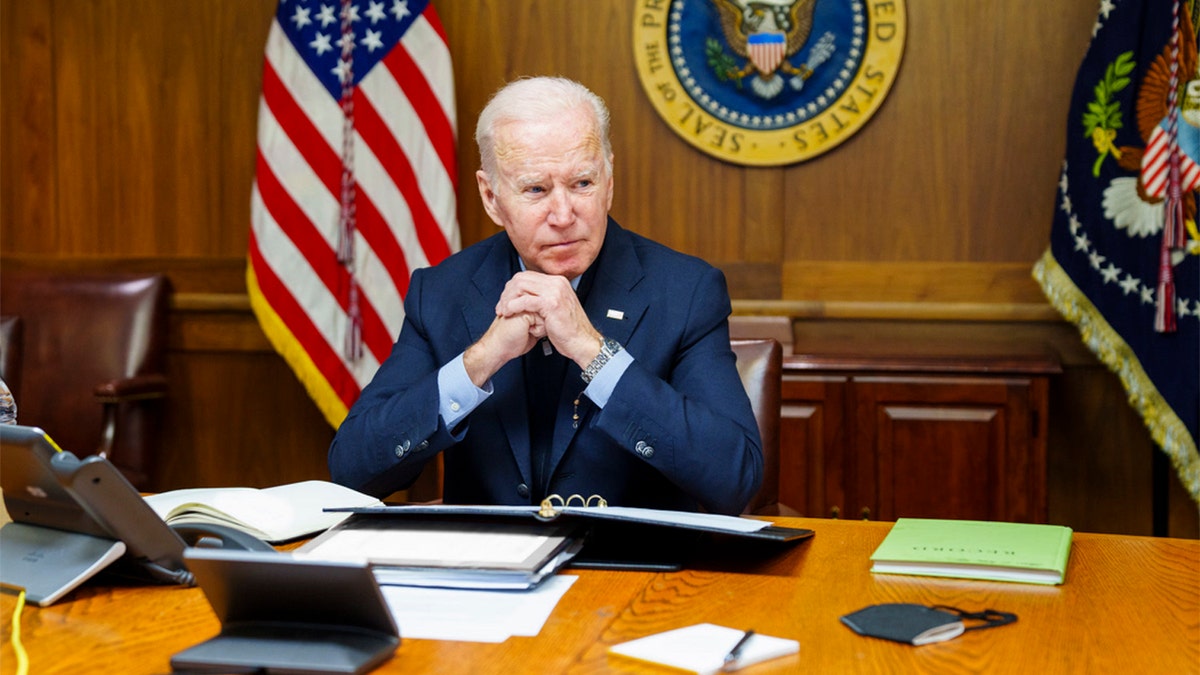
601,387
458,394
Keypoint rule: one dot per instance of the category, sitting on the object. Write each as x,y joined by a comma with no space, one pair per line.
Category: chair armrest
133,388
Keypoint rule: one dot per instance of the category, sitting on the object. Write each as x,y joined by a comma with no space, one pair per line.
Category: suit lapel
615,307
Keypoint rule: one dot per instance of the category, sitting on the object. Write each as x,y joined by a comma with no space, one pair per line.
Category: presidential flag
354,186
1124,248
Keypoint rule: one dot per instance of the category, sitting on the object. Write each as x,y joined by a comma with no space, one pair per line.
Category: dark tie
543,385
544,372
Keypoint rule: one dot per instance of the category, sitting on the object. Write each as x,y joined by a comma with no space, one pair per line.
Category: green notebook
974,549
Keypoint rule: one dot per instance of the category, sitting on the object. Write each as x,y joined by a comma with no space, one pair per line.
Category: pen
734,654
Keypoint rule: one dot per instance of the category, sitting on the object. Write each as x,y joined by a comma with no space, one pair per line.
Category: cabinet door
948,447
812,444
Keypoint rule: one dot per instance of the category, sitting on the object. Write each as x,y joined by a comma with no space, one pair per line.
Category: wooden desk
1130,605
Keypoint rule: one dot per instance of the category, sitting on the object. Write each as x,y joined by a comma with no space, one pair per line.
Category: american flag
354,186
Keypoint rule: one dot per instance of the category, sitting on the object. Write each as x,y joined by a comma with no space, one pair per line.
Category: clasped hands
533,306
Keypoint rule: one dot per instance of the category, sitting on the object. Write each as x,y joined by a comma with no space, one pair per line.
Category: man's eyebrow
585,174
523,182
531,180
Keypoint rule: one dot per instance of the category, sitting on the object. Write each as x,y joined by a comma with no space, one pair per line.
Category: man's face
551,192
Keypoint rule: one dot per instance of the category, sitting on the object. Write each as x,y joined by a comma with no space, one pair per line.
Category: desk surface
1129,604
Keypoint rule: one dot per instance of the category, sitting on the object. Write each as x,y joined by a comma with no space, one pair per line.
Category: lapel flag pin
616,314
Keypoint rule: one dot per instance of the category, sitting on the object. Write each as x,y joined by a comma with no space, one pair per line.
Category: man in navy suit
564,355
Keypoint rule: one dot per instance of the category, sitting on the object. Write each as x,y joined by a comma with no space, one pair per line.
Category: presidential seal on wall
767,82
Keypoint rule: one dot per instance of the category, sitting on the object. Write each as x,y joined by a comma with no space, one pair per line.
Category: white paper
446,548
473,616
702,648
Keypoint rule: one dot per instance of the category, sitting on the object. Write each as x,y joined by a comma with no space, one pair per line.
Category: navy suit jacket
678,431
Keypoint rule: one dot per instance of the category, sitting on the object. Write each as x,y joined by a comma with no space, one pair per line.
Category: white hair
534,99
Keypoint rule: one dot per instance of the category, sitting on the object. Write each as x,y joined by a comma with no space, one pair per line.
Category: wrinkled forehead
572,140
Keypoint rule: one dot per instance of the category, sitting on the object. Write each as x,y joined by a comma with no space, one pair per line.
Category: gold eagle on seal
767,33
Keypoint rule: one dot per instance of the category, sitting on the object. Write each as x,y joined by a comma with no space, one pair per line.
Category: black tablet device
285,614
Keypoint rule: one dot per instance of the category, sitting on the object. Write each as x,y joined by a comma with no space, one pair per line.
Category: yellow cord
18,648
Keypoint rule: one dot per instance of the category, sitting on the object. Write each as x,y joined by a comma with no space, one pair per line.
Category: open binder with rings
620,537
548,510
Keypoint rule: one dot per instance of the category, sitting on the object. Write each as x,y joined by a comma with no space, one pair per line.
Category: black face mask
921,625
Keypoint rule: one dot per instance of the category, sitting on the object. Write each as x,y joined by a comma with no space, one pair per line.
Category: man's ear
488,196
611,182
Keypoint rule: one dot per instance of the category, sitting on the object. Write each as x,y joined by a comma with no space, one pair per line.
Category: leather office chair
760,366
742,326
94,361
11,344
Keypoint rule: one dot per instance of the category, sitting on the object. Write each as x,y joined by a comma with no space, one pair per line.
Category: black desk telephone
100,501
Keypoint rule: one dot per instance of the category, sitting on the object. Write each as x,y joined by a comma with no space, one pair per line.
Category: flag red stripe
435,22
308,140
302,328
371,226
319,256
374,229
1155,166
1156,182
1191,178
427,106
1157,151
297,226
374,130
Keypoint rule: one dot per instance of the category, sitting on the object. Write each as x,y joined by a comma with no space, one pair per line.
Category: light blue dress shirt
459,395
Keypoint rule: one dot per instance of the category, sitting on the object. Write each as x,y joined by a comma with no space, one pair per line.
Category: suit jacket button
403,448
648,451
523,490
422,445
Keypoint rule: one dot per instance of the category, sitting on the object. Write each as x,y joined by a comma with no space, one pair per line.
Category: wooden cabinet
889,433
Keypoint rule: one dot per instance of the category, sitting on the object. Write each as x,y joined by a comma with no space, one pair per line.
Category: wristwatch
608,347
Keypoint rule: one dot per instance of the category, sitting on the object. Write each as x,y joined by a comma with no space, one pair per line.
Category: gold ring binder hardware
550,510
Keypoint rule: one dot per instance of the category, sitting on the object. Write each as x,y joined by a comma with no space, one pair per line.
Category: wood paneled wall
127,141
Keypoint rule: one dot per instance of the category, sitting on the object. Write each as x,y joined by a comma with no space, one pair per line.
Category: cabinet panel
811,474
934,461
948,447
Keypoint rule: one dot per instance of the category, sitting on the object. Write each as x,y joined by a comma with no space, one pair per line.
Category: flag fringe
1167,430
286,345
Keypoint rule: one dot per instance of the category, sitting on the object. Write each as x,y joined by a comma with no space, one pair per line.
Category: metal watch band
608,347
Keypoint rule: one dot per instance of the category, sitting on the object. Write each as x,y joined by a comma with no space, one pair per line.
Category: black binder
617,537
